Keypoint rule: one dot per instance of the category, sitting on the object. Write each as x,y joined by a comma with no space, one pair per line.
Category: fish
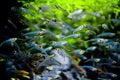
9,42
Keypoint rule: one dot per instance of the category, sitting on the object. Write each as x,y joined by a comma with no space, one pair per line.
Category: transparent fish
30,6
12,24
100,41
66,29
60,44
67,26
49,33
78,29
89,32
111,75
82,57
97,14
25,10
106,35
103,79
91,68
48,49
8,41
44,8
38,49
78,51
31,44
112,46
60,36
105,26
94,40
91,49
116,21
93,60
77,15
53,24
116,56
33,33
72,36
25,30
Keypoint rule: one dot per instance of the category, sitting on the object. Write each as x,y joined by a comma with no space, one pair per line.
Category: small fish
105,26
9,41
31,44
11,22
48,33
78,29
48,49
25,10
44,8
89,32
100,41
78,51
103,79
59,44
94,60
72,36
33,33
52,24
77,15
91,48
90,68
106,35
116,21
116,57
38,49
30,6
59,7
66,29
97,14
111,75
